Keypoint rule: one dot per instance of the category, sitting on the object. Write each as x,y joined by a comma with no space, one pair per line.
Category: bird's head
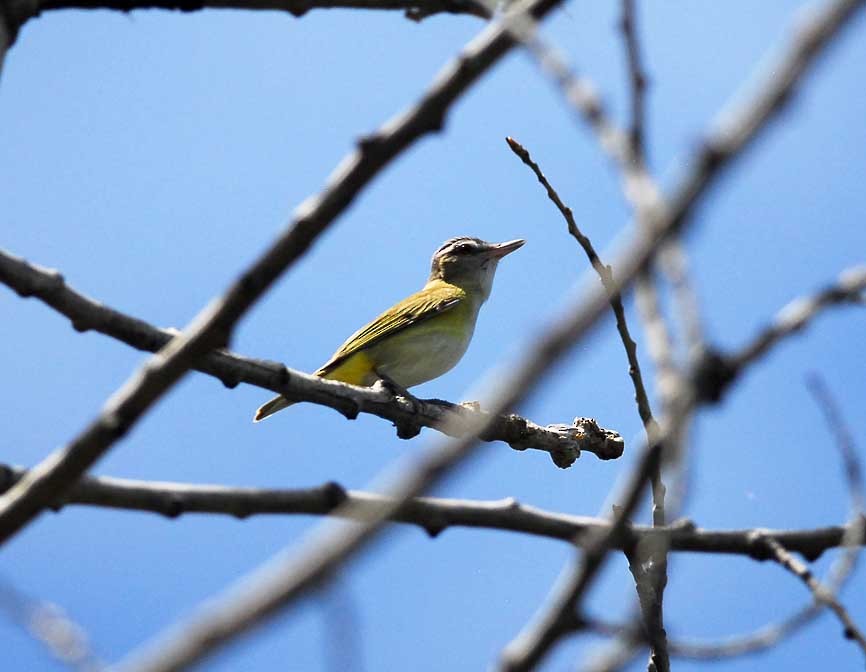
470,263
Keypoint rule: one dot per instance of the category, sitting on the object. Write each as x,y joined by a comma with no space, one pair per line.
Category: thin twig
714,377
844,440
853,471
563,442
637,80
820,592
213,326
644,410
606,275
761,639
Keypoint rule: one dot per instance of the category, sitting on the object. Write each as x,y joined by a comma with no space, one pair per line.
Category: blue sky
151,156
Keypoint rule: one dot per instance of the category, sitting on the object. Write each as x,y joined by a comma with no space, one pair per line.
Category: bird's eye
463,248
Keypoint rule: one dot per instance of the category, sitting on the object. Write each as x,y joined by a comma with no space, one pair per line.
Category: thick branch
434,515
563,442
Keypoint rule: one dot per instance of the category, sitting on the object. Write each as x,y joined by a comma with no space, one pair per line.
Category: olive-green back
434,299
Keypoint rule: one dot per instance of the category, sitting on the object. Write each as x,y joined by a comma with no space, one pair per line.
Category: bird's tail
274,405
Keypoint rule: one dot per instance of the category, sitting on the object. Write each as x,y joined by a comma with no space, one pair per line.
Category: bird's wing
429,302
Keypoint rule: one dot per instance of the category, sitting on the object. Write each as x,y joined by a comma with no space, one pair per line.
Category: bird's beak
501,249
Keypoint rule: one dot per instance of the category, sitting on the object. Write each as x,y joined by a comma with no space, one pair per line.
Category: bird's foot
408,427
398,390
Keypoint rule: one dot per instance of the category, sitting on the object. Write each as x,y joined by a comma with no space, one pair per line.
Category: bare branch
606,275
760,640
556,619
213,326
717,371
844,441
414,9
432,514
637,80
821,594
14,13
563,442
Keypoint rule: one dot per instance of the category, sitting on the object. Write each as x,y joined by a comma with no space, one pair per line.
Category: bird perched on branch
424,335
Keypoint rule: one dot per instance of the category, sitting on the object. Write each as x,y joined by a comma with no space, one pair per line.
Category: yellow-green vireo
424,335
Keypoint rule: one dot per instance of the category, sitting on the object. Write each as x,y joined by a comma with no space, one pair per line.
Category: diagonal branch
213,326
821,593
714,374
563,442
797,315
605,274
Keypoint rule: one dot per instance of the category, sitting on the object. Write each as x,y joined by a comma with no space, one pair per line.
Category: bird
424,335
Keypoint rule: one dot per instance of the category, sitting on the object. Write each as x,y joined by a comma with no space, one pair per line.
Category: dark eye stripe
459,245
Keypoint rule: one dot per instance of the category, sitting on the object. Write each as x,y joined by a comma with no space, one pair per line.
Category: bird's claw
398,391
